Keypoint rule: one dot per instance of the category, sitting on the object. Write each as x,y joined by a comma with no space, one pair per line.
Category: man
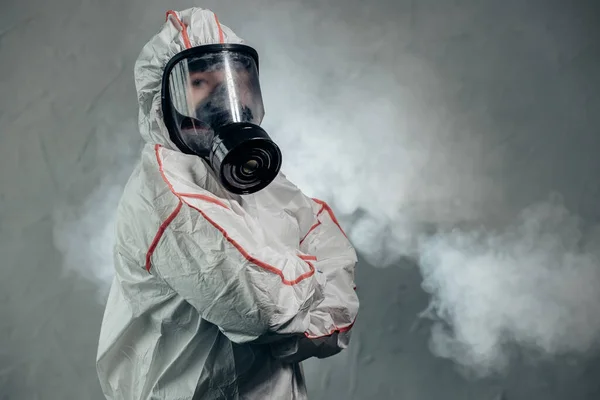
216,295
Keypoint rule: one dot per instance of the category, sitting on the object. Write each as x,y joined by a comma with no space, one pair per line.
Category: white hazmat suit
216,296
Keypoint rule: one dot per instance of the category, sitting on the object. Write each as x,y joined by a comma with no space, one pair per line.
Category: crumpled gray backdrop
68,113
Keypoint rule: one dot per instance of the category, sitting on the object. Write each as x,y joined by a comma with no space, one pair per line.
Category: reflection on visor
223,86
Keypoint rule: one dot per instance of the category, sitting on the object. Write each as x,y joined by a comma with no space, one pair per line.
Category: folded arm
321,236
255,289
225,265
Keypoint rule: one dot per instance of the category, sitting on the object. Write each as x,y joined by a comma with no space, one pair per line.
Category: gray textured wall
522,74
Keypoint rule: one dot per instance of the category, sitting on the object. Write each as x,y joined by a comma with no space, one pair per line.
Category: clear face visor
210,91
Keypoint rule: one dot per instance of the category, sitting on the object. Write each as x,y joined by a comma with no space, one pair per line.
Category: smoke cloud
85,236
534,284
408,177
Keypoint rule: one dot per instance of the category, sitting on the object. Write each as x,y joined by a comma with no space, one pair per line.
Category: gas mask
212,107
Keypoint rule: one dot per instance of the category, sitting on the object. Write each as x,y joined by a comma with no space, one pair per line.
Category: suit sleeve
226,266
332,318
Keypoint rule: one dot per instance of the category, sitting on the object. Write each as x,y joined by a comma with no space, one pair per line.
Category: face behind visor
212,106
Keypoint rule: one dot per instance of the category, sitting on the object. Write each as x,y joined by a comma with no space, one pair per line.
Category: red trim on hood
184,34
221,36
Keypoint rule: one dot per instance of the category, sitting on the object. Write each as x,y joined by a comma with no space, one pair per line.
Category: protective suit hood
182,29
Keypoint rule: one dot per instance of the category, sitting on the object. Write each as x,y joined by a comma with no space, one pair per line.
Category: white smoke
536,284
85,236
84,233
376,139
380,145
